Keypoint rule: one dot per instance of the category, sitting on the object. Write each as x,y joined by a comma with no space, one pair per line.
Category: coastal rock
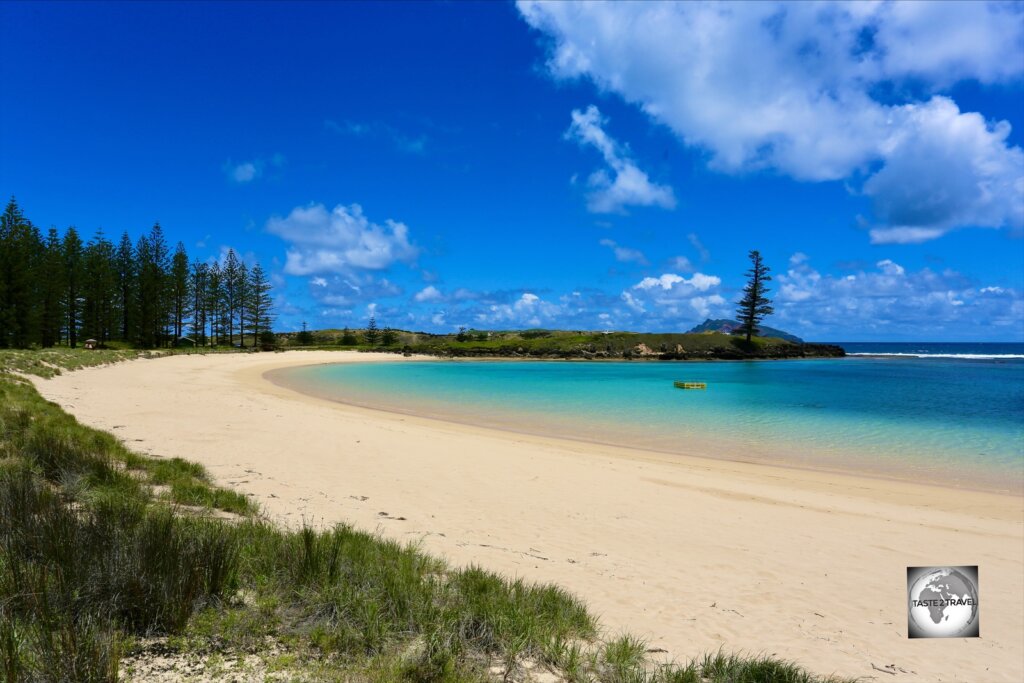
642,349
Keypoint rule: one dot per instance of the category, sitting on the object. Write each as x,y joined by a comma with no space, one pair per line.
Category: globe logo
943,602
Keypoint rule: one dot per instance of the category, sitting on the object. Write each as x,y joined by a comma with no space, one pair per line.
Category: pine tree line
58,290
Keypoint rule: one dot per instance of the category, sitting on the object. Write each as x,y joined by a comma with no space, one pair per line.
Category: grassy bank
110,561
52,361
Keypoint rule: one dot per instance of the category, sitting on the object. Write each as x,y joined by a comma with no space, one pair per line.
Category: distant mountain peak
729,326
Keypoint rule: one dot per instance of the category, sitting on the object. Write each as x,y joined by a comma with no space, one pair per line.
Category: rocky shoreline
639,352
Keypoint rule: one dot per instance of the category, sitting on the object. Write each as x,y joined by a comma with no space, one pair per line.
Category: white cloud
894,301
625,254
945,42
703,304
243,173
890,268
352,289
945,169
342,240
628,186
665,281
791,87
427,294
904,235
529,309
633,302
668,281
675,299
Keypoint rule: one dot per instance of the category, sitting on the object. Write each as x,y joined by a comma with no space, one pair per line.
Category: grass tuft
624,660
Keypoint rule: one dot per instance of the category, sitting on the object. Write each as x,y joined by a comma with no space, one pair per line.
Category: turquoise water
939,420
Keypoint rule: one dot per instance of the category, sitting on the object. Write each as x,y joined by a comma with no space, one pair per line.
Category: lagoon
944,420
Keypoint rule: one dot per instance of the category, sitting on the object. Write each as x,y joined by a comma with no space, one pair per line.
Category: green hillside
572,344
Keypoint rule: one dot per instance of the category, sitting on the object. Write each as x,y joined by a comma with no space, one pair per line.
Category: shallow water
939,420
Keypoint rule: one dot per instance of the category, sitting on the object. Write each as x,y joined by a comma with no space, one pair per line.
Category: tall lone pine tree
754,306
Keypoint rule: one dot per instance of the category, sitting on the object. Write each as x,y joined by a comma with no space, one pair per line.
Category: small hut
91,343
185,343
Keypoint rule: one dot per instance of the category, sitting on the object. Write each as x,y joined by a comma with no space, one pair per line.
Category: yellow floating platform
691,385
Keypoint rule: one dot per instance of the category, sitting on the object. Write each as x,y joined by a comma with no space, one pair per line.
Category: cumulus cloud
528,309
521,308
889,299
347,291
664,282
625,254
428,294
676,298
670,301
945,42
946,169
626,185
889,268
668,281
792,87
342,240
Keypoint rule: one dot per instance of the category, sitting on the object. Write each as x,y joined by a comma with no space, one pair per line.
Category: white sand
693,554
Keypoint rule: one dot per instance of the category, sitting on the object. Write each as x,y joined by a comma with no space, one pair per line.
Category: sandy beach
693,554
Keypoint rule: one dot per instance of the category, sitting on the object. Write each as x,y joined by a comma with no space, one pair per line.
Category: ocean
949,414
963,350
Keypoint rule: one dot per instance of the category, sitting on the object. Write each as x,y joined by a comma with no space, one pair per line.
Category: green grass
97,560
616,344
50,362
571,344
587,345
189,484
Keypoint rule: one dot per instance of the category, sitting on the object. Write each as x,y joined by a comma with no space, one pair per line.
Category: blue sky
580,166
